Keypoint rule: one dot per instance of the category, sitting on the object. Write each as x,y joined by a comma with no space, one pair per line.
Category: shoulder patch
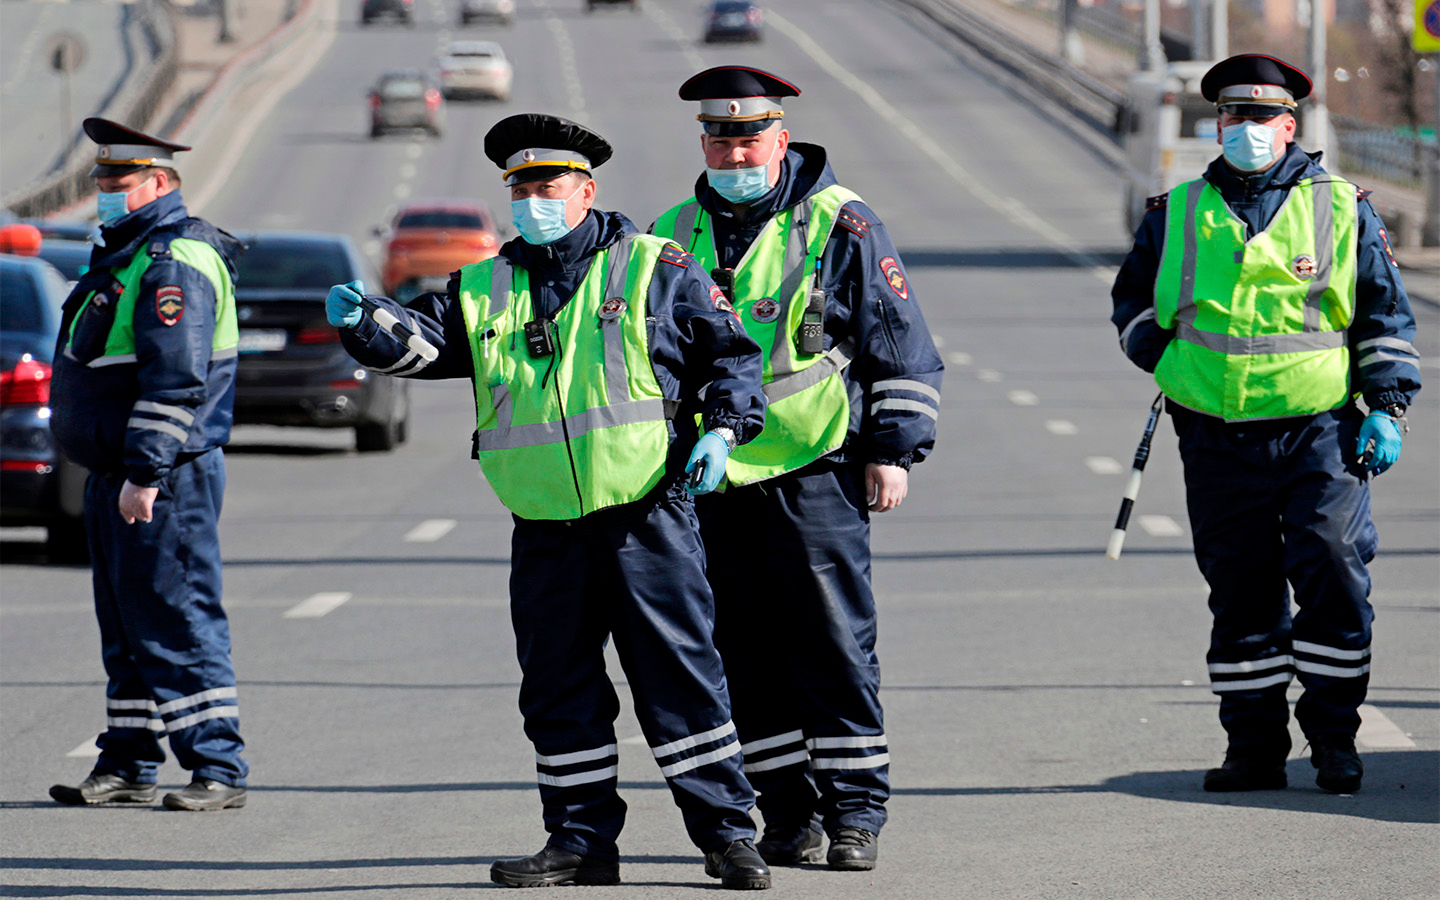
721,302
675,256
1389,253
853,222
894,277
169,304
1159,201
160,249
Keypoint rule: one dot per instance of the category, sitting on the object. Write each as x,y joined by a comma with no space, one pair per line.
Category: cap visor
1254,109
737,129
109,171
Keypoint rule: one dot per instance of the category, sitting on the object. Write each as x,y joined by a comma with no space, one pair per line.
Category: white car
502,11
475,69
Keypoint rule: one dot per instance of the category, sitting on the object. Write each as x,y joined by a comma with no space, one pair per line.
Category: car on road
293,369
401,10
733,20
429,239
501,11
590,5
38,486
474,69
403,99
72,258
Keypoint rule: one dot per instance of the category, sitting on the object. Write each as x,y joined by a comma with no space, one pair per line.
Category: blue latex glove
1381,429
712,449
342,304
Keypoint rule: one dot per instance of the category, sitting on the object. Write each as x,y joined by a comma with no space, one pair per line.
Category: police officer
852,381
1265,298
143,393
589,344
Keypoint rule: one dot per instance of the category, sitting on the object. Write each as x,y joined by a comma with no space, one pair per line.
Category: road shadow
266,449
1400,786
941,555
1005,258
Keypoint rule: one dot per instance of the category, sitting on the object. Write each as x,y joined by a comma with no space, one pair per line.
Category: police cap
124,150
537,147
737,100
1253,84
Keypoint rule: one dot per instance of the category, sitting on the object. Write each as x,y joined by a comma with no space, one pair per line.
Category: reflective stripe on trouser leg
170,638
796,625
1329,539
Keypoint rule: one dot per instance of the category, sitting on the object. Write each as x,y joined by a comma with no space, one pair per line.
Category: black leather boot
554,866
103,789
1338,765
738,866
206,794
852,849
1246,772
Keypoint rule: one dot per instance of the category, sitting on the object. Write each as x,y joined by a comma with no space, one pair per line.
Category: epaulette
675,255
160,248
1363,193
853,222
1156,202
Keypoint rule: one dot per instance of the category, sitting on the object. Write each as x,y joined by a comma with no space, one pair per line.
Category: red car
429,239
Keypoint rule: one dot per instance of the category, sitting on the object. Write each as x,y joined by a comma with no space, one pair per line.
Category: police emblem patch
765,310
1385,239
170,303
1303,266
721,302
612,308
895,277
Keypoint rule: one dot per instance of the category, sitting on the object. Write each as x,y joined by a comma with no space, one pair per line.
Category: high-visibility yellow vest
1260,325
807,409
120,342
585,428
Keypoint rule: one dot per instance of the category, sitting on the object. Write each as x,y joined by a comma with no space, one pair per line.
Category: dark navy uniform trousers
164,637
1273,503
635,573
796,626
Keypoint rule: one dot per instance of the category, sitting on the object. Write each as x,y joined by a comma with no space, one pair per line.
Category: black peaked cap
104,131
524,131
723,82
1254,68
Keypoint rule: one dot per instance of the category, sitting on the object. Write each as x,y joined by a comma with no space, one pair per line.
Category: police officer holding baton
1265,298
588,345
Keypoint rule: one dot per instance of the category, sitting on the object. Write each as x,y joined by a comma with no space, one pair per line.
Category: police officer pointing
588,345
143,393
852,380
1265,299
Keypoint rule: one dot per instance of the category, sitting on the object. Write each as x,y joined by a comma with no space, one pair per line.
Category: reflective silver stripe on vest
687,231
1260,344
500,402
1381,356
617,372
501,276
1185,302
1146,316
227,353
838,358
797,246
1322,196
578,425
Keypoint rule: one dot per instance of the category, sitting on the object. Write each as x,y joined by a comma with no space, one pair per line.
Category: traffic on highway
508,568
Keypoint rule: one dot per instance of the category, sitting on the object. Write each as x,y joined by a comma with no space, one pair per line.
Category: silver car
406,98
474,69
501,11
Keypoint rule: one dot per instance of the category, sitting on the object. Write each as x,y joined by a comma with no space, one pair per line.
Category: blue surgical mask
1249,146
742,185
541,221
111,208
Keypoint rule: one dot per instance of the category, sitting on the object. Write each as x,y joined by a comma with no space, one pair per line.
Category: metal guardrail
1381,153
135,103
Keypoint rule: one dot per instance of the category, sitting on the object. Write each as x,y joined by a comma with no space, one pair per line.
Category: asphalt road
1047,708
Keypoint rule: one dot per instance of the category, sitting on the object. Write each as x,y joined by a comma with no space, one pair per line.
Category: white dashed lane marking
1103,465
1161,526
989,376
317,605
1061,426
430,530
87,750
1023,398
1379,733
959,359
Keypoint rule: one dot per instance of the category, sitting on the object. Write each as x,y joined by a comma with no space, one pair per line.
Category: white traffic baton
399,330
1132,487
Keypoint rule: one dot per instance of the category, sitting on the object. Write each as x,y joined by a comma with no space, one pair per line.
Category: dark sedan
37,485
733,20
293,369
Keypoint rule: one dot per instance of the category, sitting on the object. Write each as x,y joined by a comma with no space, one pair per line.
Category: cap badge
733,107
528,156
1255,92
103,152
765,310
612,308
1303,266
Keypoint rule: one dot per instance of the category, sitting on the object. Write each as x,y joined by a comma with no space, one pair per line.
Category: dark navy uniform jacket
94,407
692,343
1382,309
875,303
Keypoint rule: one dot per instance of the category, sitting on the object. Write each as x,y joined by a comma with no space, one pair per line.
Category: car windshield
440,218
402,89
478,54
70,257
20,308
297,264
